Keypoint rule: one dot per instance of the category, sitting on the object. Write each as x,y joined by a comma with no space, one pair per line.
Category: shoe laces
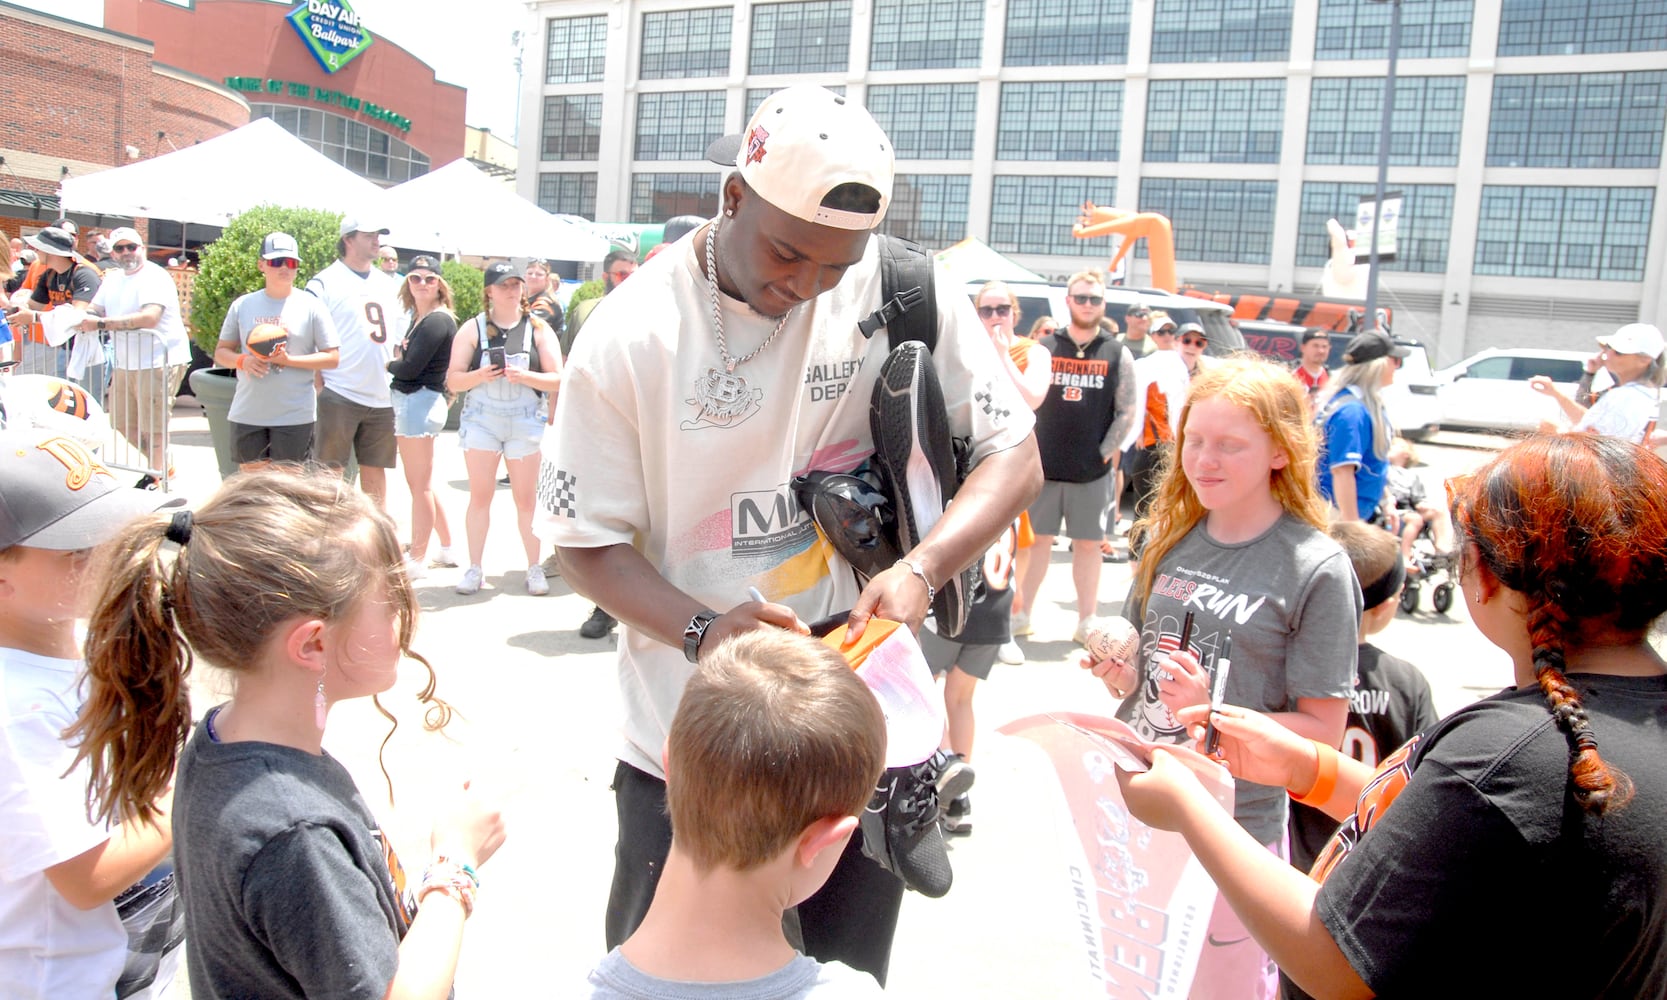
914,796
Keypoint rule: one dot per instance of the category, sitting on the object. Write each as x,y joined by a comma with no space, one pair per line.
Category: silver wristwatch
695,632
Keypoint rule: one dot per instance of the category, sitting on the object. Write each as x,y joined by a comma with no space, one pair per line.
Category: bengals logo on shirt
1378,795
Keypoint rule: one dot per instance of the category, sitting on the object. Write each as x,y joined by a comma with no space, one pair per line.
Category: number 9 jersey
369,320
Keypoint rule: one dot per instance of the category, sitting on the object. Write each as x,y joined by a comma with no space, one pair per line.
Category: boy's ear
665,758
829,831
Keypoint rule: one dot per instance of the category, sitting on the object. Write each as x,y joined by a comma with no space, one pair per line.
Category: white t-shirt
124,294
366,310
48,948
1623,412
634,461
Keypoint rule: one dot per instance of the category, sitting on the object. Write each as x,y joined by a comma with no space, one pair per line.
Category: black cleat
915,456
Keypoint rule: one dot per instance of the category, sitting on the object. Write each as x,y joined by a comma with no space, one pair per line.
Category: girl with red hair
1529,819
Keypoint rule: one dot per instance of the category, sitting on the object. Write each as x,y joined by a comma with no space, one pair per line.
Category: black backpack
907,294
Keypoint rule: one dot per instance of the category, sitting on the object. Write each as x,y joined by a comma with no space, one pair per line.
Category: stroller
1436,569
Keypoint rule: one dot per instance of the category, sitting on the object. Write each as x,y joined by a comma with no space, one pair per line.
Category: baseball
1113,638
265,338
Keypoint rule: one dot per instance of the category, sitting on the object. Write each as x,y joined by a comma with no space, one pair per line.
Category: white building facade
1527,135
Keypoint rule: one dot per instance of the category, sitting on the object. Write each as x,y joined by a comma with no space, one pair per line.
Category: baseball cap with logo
1161,321
1372,346
1314,333
56,495
1635,338
361,224
126,234
279,246
803,142
423,262
503,270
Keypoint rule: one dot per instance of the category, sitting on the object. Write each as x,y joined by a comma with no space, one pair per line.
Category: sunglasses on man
125,247
286,263
1195,342
1087,300
990,312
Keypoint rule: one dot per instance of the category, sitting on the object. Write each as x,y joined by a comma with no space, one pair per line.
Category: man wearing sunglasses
1080,430
139,306
276,340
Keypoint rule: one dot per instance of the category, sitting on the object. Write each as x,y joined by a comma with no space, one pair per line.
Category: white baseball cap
1635,338
803,142
361,224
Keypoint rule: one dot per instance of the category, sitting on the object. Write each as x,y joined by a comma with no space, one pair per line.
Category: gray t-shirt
1290,601
290,889
615,978
283,396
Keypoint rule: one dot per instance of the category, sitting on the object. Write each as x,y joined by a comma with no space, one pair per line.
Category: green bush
468,289
592,289
230,265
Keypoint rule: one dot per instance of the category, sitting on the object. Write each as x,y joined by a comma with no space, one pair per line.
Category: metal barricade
132,385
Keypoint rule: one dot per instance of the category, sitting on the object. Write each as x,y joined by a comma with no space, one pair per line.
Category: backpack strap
908,301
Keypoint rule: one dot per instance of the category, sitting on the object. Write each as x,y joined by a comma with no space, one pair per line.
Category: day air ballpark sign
331,31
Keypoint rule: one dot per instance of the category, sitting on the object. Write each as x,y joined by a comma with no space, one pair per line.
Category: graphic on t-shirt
1378,795
558,491
396,872
1206,596
828,381
721,400
1073,375
1153,720
767,522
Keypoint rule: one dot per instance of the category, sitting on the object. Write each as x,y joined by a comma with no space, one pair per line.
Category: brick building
82,99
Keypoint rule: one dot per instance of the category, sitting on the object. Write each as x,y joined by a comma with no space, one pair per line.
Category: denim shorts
515,429
420,414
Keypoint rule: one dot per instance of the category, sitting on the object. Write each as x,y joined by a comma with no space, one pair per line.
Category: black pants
851,919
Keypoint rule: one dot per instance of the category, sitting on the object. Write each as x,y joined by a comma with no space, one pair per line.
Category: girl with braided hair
1532,815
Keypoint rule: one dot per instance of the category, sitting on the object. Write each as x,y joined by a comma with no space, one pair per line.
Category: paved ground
537,723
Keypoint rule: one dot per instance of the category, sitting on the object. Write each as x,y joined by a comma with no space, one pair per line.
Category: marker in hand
1218,691
757,595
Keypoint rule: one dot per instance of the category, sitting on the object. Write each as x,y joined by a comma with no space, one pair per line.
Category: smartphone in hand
495,357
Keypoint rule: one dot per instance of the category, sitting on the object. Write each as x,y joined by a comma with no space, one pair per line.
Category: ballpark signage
331,31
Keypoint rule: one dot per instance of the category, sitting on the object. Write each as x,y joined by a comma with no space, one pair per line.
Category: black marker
1218,690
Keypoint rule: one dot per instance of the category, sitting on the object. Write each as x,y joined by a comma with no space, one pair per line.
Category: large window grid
658,197
930,209
1421,238
678,125
1577,120
1229,221
1567,27
677,44
572,127
568,194
756,96
809,37
1564,232
1066,33
926,34
576,49
1205,31
1035,214
1060,121
1214,121
1355,29
927,121
1345,117
363,149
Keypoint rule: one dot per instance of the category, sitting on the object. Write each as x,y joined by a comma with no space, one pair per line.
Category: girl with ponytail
294,584
1534,815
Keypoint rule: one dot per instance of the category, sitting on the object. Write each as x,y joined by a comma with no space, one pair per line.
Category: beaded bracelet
452,878
1325,781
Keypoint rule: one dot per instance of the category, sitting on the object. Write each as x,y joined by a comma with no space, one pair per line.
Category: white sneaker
1021,624
1080,636
473,577
537,586
414,569
1010,653
445,557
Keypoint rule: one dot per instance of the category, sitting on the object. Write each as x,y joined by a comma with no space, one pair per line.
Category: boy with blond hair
774,751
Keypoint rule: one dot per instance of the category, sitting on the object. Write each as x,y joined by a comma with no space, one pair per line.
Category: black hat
1370,347
52,241
423,262
1314,333
503,270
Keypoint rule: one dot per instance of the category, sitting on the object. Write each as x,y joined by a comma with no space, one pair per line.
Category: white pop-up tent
458,209
208,183
973,260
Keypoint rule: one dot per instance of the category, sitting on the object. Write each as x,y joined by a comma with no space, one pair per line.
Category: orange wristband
1325,781
237,362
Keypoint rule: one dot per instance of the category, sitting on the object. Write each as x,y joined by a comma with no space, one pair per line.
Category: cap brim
39,246
100,520
725,149
1399,351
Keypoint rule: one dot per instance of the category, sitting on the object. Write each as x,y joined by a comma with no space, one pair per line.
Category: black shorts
289,443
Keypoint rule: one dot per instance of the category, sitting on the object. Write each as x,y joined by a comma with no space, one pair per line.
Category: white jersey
704,493
123,294
365,308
